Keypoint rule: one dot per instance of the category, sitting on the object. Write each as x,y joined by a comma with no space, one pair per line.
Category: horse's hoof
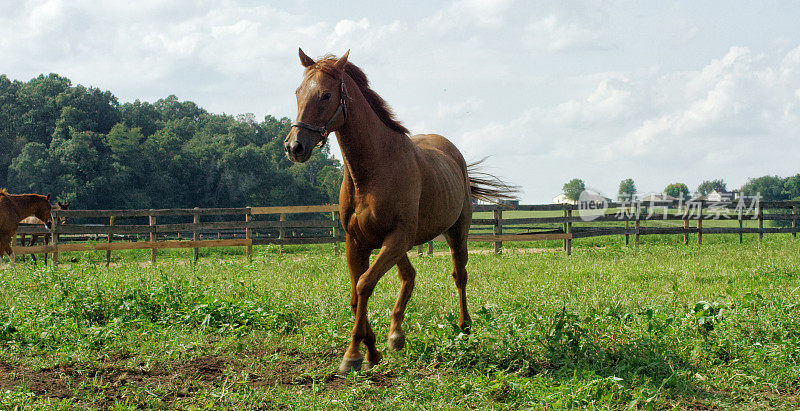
374,358
396,341
350,364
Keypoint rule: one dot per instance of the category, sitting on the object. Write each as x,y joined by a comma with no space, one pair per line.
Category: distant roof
659,197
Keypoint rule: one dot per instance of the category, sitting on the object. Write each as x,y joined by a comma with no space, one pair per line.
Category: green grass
662,326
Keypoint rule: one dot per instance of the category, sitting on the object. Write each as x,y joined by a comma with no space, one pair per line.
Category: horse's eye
326,95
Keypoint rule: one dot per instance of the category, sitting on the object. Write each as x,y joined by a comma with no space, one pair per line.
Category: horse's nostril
296,148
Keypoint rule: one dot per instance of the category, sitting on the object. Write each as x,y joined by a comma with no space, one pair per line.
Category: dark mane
376,102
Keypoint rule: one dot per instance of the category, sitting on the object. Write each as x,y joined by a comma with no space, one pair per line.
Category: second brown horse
16,207
398,191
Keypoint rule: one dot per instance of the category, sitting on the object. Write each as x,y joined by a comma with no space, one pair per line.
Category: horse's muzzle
296,150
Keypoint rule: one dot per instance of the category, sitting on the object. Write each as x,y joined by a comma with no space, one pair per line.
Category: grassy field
662,326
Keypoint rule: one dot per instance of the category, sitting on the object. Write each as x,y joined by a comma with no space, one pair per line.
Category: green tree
80,144
11,142
574,188
627,189
39,108
89,109
791,187
677,190
708,186
143,116
33,170
771,188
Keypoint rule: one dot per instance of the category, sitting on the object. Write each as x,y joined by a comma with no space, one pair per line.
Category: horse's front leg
394,248
397,338
5,248
357,263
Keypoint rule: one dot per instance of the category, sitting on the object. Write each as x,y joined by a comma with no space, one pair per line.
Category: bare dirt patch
47,382
115,378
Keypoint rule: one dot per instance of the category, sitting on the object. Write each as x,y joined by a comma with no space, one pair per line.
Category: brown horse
397,192
35,237
15,208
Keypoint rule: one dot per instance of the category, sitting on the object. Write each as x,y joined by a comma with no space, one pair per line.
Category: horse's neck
23,205
366,142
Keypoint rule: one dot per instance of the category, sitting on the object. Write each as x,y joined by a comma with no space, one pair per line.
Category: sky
660,92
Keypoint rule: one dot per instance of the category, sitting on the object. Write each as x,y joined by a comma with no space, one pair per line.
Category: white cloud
609,102
460,14
731,100
556,33
361,35
458,109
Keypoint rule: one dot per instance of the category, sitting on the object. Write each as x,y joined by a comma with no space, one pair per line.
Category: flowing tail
486,187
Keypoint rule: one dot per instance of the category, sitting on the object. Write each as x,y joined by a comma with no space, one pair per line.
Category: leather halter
325,130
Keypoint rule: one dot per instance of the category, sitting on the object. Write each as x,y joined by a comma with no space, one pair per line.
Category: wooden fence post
112,221
564,225
627,226
54,241
568,241
686,225
498,229
281,233
248,233
637,224
760,223
794,221
152,238
196,234
741,225
430,247
335,233
13,257
700,224
420,250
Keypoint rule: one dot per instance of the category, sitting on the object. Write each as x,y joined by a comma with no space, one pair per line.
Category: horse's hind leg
456,238
34,237
22,243
397,339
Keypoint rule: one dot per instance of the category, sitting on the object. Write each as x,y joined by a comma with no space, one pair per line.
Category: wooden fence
110,230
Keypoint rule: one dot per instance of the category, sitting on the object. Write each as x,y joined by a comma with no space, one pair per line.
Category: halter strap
325,130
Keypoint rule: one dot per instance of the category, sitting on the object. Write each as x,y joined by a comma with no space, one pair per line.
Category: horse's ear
342,61
305,60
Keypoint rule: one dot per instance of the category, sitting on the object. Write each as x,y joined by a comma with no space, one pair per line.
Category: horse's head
320,106
43,210
62,206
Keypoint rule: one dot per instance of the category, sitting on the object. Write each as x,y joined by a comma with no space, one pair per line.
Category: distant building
721,196
658,197
562,199
586,197
593,198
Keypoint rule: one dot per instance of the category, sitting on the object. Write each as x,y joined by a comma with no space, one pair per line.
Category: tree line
83,146
770,188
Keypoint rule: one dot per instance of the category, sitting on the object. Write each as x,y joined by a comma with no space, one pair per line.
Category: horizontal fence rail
112,230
